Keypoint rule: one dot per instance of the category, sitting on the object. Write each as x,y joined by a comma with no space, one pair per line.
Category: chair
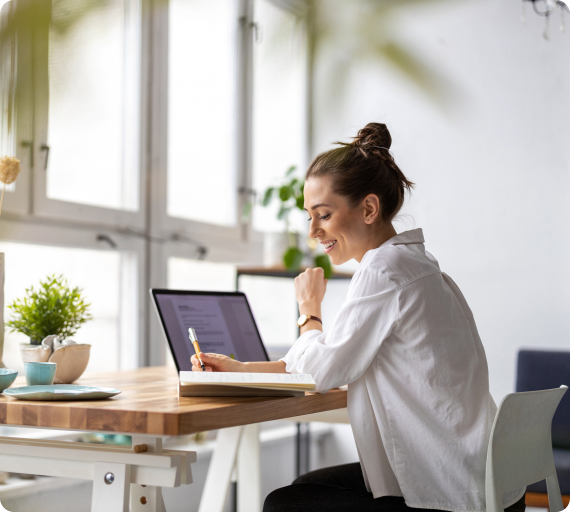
547,369
520,447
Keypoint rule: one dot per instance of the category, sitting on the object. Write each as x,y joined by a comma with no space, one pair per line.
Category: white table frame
139,477
123,480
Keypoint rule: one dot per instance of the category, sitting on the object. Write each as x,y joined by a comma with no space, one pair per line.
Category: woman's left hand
310,288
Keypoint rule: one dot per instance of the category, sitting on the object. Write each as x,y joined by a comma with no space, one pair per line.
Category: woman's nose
314,230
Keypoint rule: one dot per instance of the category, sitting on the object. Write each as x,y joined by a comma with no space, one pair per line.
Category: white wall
491,160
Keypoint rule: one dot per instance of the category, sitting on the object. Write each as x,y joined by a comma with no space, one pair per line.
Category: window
272,300
279,107
97,272
145,136
202,182
85,134
93,118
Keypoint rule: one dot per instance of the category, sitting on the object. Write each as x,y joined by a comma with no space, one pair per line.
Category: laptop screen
222,320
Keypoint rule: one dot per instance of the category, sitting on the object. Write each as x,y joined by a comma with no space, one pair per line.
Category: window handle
45,147
257,32
29,144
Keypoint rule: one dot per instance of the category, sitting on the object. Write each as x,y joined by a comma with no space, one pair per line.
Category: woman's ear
371,204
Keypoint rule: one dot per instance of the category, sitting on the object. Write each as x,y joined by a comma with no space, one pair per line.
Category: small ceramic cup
7,378
39,374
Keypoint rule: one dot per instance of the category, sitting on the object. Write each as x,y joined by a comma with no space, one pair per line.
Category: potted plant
290,196
50,315
54,308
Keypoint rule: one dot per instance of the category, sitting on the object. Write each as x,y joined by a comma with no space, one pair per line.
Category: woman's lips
329,246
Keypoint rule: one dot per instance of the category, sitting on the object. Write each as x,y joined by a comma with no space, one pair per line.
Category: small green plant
290,195
54,308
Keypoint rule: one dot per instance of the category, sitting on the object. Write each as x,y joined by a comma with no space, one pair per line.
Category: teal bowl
7,378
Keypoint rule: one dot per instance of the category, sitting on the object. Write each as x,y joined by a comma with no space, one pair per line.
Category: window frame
149,234
55,209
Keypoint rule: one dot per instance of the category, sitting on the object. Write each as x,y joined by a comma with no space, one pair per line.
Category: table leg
220,470
111,484
147,498
249,471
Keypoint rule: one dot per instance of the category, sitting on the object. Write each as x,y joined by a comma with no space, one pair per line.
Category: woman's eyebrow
317,206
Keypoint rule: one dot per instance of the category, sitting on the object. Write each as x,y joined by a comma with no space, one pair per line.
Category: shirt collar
414,236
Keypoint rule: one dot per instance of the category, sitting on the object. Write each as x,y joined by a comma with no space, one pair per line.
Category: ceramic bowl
7,378
71,362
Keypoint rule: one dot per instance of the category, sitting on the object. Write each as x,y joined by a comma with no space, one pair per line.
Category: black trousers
340,489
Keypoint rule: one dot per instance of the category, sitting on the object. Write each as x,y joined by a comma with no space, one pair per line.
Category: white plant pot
34,353
274,247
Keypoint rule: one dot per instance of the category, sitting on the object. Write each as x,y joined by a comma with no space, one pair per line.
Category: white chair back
520,447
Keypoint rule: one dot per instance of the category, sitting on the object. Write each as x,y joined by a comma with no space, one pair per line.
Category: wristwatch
303,319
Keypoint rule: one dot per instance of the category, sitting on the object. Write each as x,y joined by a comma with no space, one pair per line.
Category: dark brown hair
364,166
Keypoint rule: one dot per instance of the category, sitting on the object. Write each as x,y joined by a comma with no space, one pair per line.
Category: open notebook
244,384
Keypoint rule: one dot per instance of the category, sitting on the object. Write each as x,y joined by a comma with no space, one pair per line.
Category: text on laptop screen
223,324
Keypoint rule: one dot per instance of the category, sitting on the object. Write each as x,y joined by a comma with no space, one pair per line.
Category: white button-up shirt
406,343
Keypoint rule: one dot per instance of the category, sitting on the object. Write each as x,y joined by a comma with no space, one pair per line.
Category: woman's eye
325,217
309,219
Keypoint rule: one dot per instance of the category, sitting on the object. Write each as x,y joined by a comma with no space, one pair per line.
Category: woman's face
343,232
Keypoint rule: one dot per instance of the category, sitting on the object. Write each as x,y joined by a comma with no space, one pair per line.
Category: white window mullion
244,93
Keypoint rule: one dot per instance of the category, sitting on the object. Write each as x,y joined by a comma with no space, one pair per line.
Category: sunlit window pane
93,128
279,103
187,274
97,272
272,300
201,110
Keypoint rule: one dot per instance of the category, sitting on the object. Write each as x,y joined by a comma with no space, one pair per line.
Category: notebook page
251,379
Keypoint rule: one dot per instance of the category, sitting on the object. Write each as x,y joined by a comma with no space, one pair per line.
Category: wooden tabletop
149,404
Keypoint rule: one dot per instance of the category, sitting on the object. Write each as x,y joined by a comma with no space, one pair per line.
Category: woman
404,341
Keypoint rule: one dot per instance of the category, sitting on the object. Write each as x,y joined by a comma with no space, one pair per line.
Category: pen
194,340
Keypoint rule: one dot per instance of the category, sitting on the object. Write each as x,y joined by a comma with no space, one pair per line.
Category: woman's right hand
216,363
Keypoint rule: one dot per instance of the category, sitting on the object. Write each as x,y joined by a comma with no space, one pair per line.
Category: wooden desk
148,409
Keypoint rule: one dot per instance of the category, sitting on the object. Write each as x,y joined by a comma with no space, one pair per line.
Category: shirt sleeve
342,355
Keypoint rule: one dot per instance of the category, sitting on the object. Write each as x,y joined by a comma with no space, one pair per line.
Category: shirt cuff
293,357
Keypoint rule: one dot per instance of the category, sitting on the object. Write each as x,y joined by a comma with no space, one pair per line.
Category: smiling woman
357,181
404,341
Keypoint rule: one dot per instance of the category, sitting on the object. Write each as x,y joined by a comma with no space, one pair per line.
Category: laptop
223,322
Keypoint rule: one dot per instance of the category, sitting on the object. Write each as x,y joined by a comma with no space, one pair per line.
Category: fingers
199,369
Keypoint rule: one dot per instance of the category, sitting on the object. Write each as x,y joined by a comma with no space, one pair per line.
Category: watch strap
309,317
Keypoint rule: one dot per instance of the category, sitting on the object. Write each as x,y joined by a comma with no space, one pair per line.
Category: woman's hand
310,288
216,363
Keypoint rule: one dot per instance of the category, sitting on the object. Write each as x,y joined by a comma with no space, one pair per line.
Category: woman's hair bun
373,136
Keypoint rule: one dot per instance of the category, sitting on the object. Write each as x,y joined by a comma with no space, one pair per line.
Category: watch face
302,320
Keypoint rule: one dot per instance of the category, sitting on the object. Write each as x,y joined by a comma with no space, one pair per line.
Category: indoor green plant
290,196
53,309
